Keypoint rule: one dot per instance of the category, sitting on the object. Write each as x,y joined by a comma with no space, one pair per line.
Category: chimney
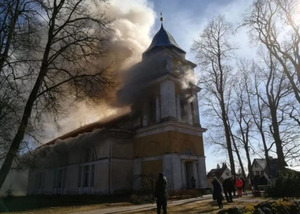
224,166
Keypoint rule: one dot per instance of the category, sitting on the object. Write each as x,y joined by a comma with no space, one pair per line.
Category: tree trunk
12,152
239,157
277,139
228,141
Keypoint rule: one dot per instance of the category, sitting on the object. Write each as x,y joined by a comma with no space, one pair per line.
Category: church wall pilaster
137,171
202,172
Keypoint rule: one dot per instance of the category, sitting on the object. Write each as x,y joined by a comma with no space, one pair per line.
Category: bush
279,206
286,185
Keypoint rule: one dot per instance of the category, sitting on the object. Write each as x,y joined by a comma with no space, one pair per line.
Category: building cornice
173,77
169,126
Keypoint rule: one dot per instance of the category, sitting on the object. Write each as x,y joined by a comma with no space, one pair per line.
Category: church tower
168,134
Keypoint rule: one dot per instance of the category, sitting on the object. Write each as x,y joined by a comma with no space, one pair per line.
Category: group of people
229,187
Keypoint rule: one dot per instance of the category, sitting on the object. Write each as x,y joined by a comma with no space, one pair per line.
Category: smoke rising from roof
132,22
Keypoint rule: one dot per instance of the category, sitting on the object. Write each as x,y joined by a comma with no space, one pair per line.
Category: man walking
161,193
228,187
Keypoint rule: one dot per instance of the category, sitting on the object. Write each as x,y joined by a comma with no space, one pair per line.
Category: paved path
208,206
143,207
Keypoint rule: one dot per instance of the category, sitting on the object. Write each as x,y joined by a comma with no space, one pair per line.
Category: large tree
18,37
257,110
274,24
276,90
213,52
66,65
242,117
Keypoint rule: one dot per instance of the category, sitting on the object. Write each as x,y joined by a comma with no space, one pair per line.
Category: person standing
161,193
217,192
239,185
228,187
193,182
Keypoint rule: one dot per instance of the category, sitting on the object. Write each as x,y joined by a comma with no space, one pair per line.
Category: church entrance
189,174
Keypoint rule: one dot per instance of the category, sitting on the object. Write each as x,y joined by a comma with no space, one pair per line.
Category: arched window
89,155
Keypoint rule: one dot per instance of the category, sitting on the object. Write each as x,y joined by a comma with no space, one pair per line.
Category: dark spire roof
163,39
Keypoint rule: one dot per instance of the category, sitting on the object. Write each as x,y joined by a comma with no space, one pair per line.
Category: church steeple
163,39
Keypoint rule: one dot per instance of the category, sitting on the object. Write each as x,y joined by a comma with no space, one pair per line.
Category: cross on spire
161,18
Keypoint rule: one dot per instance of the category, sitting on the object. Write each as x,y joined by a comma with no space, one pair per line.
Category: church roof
110,123
163,39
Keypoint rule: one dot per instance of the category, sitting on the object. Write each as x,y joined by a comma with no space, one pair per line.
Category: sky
185,19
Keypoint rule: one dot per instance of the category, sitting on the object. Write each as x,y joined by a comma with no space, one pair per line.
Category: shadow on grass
25,203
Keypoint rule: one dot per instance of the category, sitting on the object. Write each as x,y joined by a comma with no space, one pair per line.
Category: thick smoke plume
131,24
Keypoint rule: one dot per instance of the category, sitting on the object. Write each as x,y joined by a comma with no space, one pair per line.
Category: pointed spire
163,39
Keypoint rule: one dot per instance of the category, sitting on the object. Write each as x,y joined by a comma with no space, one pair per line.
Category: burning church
161,133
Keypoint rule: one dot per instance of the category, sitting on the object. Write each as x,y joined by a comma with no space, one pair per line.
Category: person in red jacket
239,185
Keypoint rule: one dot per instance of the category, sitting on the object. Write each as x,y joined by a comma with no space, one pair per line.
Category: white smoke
132,22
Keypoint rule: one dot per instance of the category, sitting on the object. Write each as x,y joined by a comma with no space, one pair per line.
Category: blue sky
185,19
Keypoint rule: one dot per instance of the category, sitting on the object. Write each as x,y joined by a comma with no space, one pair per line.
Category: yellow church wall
168,142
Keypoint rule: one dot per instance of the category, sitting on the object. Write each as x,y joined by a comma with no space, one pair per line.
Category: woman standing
239,185
217,192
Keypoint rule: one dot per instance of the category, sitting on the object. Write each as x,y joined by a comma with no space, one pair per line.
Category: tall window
152,110
40,180
79,176
59,178
183,109
192,112
88,155
86,176
92,175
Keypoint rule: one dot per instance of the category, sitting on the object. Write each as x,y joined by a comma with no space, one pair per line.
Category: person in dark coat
228,187
217,192
161,193
193,182
244,186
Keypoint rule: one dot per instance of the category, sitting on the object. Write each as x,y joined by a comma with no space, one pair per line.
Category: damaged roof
109,123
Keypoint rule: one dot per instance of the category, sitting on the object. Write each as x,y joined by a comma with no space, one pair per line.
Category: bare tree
276,90
67,62
257,110
213,52
273,23
237,152
243,118
16,35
